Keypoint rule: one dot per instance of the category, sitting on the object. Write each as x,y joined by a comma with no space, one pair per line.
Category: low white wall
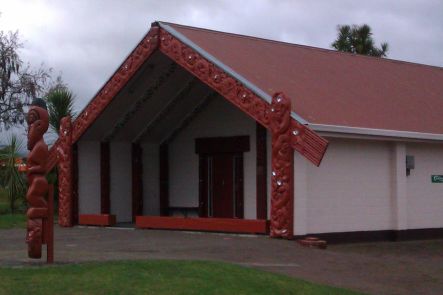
350,191
424,198
151,186
89,177
219,118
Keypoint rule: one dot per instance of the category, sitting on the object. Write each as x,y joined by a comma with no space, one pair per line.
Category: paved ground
378,268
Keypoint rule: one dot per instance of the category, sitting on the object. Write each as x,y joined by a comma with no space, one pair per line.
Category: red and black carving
216,78
64,150
37,120
282,180
287,133
134,61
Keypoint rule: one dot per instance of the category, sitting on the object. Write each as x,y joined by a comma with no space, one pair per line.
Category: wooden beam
214,145
97,219
105,178
164,180
75,184
163,113
137,180
232,225
261,181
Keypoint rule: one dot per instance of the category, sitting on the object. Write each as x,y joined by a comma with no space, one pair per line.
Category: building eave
370,132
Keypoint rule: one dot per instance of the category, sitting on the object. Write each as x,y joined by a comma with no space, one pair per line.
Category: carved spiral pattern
64,154
282,202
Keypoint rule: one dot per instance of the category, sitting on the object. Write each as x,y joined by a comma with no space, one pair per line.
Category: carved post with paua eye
282,178
38,187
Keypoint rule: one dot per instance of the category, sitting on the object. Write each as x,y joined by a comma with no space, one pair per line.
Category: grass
154,277
8,220
12,221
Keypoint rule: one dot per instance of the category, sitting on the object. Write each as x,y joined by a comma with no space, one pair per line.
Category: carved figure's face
37,125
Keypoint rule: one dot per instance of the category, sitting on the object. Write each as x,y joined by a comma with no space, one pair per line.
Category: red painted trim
97,219
75,184
262,170
164,180
105,178
64,154
203,224
137,180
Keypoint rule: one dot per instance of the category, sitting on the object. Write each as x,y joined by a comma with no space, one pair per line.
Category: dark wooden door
221,185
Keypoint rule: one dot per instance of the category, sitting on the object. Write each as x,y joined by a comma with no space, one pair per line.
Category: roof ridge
324,50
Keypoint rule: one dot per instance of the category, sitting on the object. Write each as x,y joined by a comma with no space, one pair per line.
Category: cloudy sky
86,40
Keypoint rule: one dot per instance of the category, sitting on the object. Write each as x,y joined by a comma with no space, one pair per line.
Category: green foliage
358,39
12,180
154,277
8,221
60,104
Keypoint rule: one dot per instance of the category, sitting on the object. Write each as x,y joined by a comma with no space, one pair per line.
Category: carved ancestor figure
282,168
38,185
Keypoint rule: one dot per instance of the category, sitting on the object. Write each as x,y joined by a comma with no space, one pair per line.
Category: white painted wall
89,177
219,118
121,181
351,190
425,199
151,186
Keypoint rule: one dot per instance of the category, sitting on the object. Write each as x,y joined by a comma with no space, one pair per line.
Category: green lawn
12,221
8,220
153,277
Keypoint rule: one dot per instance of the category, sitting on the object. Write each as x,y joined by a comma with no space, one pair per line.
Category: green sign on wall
437,178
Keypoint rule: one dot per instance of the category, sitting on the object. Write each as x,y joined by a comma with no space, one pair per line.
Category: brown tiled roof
333,88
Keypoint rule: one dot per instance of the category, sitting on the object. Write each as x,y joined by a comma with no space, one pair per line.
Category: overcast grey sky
87,40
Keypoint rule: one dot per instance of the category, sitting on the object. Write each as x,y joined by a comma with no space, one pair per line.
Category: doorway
221,176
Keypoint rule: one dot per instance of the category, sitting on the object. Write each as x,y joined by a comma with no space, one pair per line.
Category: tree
19,84
11,178
358,39
60,104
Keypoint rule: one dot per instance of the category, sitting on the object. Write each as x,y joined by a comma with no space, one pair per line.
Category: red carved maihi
282,180
38,185
64,152
120,78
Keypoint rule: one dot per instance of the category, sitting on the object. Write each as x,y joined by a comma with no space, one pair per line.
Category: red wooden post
64,152
282,175
50,227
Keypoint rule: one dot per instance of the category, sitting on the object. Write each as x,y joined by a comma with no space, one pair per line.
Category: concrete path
377,268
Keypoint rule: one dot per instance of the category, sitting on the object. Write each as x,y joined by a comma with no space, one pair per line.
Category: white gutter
260,93
375,132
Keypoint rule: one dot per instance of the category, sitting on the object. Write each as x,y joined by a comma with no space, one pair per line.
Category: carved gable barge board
116,83
303,139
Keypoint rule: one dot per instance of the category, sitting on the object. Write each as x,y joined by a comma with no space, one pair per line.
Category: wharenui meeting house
211,131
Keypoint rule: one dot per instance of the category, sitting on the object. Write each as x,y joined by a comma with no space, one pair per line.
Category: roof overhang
373,133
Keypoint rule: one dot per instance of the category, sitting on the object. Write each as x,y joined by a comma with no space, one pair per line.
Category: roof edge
259,92
376,132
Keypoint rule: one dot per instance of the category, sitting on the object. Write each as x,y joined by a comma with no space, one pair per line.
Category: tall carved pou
282,180
38,124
